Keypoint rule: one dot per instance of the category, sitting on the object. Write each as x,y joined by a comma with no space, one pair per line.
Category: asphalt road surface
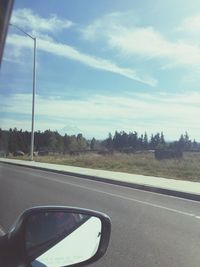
148,229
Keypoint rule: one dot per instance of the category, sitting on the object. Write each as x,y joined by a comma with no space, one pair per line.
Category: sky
104,66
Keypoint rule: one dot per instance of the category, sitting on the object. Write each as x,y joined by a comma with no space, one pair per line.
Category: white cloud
190,25
173,114
102,26
13,55
26,19
67,51
149,44
144,42
134,106
42,27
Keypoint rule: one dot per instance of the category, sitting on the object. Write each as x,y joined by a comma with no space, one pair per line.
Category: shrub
168,154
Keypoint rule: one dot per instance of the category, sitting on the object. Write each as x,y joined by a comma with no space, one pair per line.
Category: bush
18,153
168,154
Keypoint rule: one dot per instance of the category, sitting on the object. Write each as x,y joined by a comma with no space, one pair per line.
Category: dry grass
187,168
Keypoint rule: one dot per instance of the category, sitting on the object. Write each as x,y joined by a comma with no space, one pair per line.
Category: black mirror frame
16,236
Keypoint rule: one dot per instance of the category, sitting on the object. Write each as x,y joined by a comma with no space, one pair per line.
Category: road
148,229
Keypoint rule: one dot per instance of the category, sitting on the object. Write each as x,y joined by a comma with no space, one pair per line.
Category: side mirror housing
58,236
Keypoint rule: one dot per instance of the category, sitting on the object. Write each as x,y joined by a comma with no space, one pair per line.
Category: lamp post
33,94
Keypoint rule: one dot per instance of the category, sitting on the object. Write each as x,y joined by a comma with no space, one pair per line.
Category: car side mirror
59,236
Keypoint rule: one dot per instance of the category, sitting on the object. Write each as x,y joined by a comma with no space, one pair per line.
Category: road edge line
169,192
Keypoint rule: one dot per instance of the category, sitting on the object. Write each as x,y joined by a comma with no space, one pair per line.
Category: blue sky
104,66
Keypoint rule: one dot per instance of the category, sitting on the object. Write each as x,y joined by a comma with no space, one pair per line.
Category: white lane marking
110,184
129,188
118,196
123,197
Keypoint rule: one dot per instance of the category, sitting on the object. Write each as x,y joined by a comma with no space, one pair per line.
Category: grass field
187,168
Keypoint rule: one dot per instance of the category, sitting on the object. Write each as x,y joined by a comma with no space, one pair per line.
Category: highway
148,229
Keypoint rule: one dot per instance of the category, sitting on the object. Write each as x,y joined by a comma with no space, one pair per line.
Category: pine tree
146,144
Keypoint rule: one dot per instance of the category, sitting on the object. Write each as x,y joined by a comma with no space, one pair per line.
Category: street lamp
33,96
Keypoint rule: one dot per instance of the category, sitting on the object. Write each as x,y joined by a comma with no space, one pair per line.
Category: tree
162,139
116,140
195,145
184,142
146,143
66,143
93,144
123,140
132,140
81,142
109,142
140,142
59,142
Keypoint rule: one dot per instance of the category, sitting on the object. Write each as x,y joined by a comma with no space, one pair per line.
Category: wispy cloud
13,55
102,26
67,51
26,19
173,114
190,25
145,42
43,28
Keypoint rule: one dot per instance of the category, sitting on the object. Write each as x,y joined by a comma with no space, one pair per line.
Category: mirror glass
57,239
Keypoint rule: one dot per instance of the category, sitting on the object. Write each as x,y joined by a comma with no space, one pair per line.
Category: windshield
109,91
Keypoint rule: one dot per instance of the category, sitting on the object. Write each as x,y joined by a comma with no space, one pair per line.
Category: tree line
123,141
12,140
51,141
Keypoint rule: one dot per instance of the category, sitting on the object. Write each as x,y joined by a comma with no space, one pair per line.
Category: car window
107,86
